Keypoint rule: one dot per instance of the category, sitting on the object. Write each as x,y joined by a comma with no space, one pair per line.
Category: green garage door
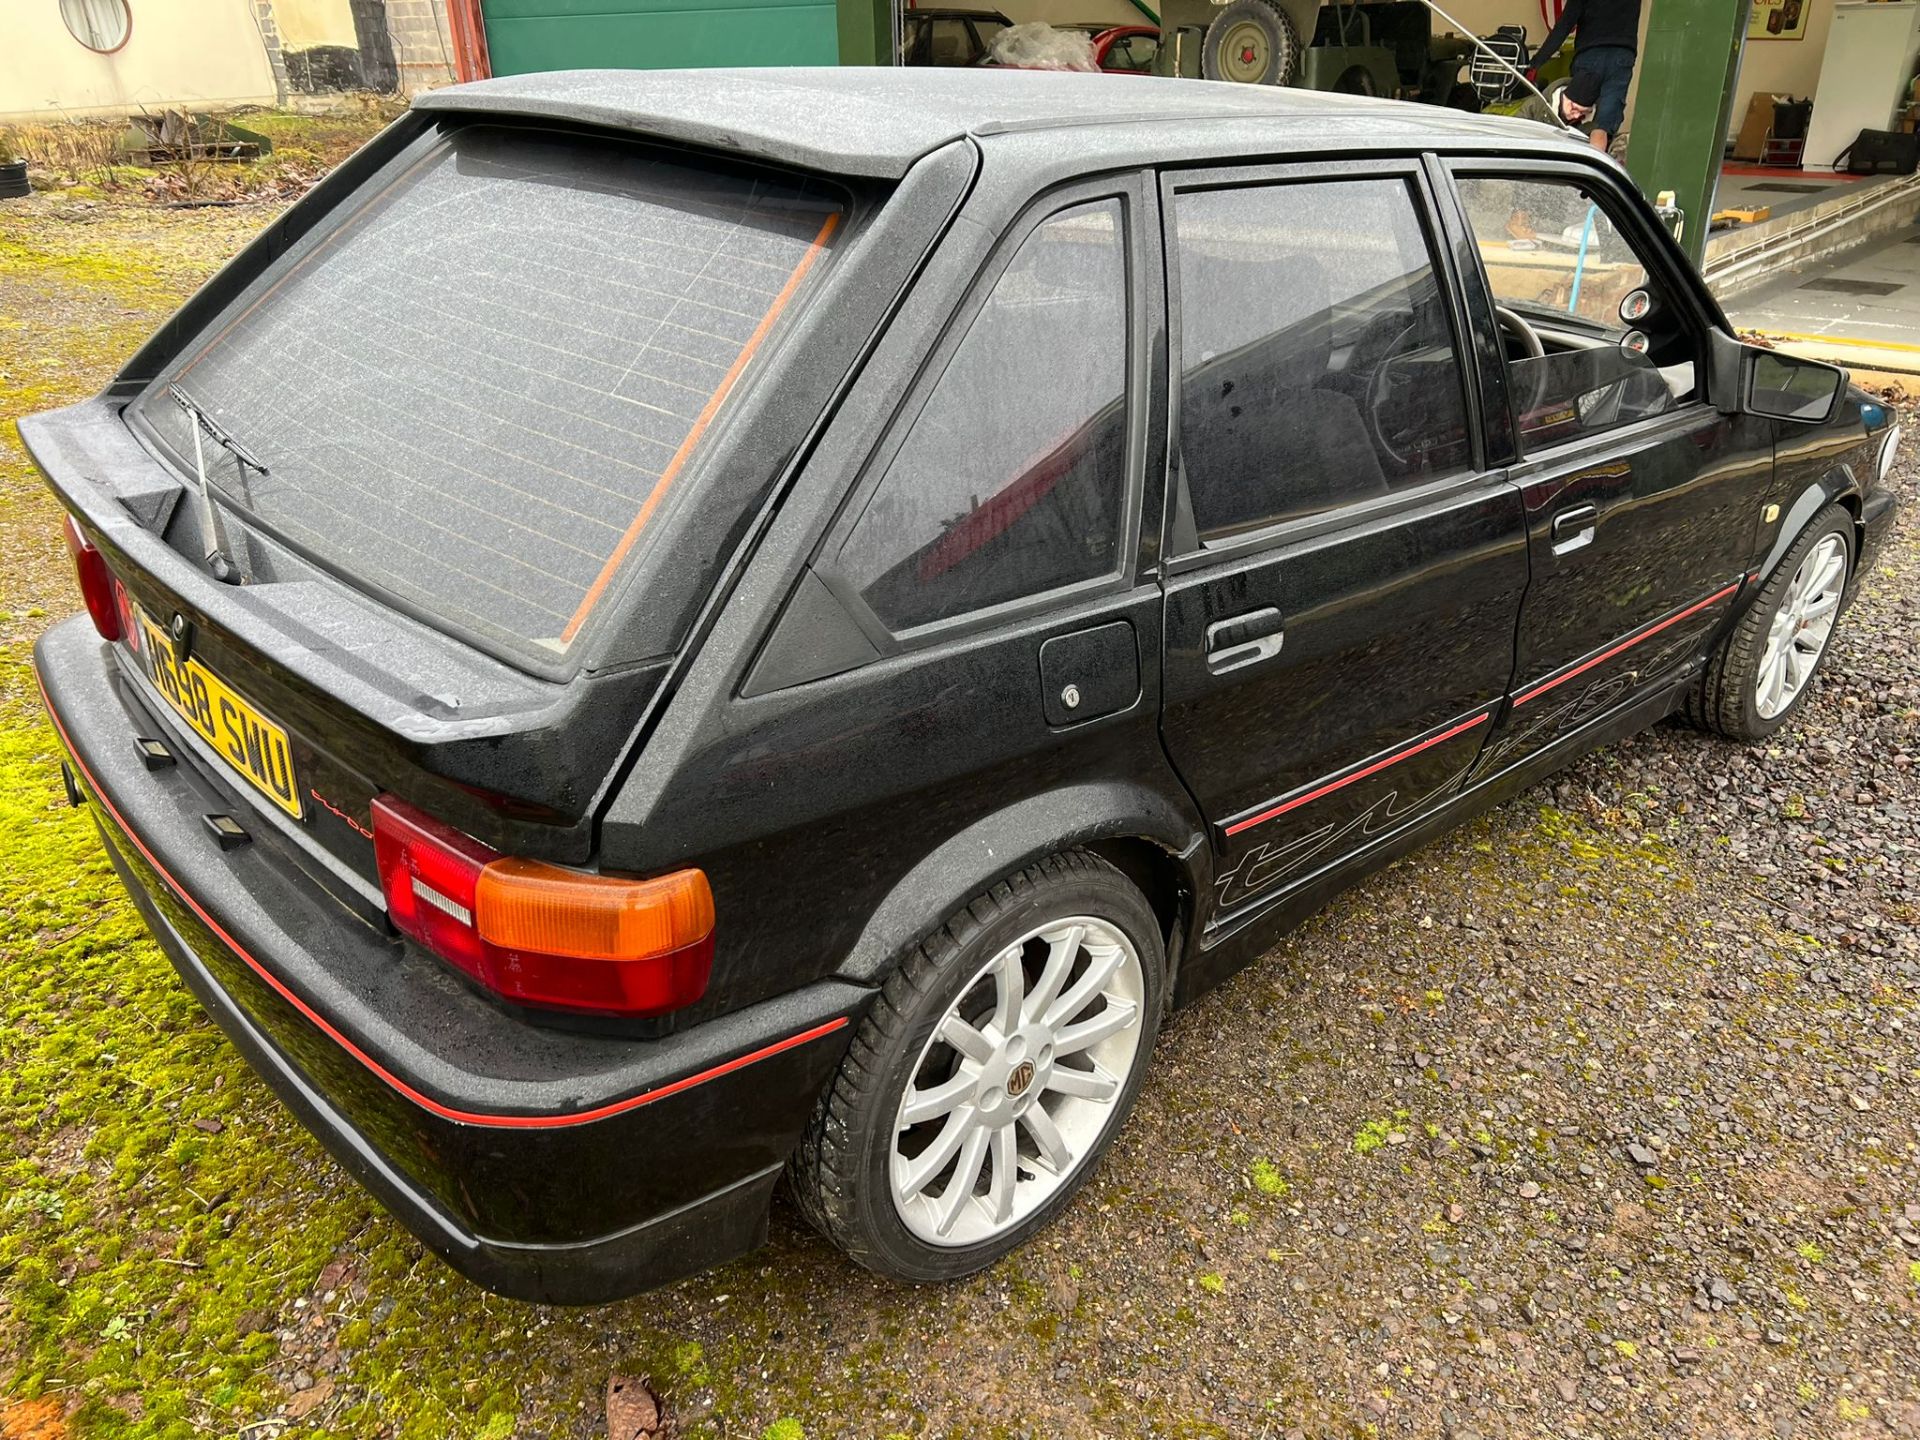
527,35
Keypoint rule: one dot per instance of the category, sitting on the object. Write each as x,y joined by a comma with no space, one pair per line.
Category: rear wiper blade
217,559
214,431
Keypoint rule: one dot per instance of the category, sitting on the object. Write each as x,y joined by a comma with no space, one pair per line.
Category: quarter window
1317,360
1012,481
1593,340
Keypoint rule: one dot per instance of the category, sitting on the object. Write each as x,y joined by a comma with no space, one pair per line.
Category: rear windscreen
486,391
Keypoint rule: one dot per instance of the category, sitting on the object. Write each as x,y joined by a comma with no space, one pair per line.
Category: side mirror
1746,379
1786,387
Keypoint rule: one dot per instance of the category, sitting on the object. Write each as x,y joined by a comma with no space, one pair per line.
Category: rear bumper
543,1164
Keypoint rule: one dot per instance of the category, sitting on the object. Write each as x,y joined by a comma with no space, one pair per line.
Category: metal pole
1580,265
1689,65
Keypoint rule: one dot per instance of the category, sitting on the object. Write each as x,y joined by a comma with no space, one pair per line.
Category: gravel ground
1595,1118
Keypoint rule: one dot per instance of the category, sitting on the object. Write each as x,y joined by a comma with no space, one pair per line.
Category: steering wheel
1527,397
1529,338
1381,385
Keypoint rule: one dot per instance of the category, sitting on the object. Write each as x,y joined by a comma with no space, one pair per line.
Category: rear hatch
472,436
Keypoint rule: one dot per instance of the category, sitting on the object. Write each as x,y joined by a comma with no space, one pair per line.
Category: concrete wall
422,45
200,54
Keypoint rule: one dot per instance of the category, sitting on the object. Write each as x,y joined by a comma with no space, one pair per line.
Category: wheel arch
1837,487
1157,843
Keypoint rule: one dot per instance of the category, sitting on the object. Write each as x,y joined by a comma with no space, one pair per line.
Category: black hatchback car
661,630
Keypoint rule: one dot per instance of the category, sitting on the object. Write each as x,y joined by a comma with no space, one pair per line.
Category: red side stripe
1332,785
394,1082
1626,644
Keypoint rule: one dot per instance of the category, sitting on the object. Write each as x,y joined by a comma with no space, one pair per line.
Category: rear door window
1317,359
1012,479
493,389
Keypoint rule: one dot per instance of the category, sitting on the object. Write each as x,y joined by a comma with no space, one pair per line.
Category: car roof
876,121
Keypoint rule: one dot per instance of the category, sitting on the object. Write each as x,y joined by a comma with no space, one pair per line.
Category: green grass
124,1251
1268,1180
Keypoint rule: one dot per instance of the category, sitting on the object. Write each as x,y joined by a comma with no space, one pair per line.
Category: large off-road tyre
995,1068
1251,42
1763,671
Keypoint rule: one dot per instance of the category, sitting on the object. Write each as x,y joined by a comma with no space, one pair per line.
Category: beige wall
1783,67
199,54
307,23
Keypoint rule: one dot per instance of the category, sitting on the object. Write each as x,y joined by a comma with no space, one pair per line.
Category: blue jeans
1614,65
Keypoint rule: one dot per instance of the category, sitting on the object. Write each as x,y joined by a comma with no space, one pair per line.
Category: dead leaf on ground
305,1402
32,1420
634,1412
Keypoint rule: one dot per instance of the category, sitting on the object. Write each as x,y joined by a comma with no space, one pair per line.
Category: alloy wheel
1018,1082
1798,635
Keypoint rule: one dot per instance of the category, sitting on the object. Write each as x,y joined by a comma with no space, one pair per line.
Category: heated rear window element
486,393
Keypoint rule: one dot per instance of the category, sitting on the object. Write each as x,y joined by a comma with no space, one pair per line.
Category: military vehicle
1362,49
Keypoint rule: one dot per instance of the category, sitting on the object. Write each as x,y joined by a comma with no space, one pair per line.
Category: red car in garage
1127,49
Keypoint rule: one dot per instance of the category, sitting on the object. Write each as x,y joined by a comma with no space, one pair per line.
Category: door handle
1245,639
1573,529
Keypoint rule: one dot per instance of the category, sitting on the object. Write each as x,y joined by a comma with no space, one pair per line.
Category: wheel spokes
966,1175
1054,1153
922,1168
1063,947
967,1040
986,1135
1773,685
1009,989
1102,961
921,1106
1116,1015
1094,1084
1801,627
1006,1173
1796,666
1830,573
1824,604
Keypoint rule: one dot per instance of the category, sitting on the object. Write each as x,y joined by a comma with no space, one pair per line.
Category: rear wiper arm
216,537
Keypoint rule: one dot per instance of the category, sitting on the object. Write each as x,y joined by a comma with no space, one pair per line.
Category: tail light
96,582
540,934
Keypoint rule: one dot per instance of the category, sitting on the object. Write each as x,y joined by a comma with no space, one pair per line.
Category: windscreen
492,387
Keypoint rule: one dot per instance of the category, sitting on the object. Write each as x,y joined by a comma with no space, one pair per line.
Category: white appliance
1871,49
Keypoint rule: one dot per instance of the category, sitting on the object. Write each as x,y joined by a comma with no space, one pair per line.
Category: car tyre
1763,671
1251,42
854,1175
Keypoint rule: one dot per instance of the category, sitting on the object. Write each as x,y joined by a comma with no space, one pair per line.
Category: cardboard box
1752,137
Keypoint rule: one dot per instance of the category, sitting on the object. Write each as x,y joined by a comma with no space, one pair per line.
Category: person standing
1606,42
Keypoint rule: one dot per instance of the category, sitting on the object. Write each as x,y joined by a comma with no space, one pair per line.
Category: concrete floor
1785,191
1870,295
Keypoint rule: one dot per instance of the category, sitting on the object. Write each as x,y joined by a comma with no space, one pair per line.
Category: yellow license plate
225,719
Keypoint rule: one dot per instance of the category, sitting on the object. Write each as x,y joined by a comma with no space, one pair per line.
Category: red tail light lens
540,934
96,582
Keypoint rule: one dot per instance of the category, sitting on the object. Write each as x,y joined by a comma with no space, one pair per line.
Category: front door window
1593,340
